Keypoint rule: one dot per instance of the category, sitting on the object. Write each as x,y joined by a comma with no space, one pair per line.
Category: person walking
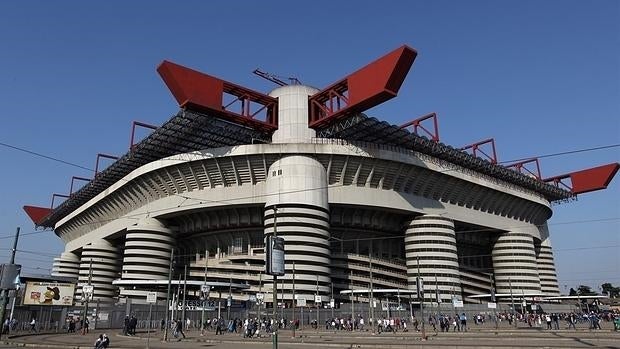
33,325
571,321
179,328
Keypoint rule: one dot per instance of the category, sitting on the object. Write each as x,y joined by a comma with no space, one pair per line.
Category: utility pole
332,301
4,294
421,293
90,277
494,300
260,301
352,304
317,303
512,300
229,299
204,301
184,292
372,319
275,285
294,305
168,295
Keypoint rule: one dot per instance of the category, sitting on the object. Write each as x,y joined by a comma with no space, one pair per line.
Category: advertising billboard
48,293
275,256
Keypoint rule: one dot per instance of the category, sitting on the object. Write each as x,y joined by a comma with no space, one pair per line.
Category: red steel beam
417,124
370,86
202,92
36,213
522,168
585,181
476,148
133,131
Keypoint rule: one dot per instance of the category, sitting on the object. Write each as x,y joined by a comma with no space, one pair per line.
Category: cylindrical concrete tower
297,187
105,269
147,253
546,267
67,265
431,240
514,262
293,114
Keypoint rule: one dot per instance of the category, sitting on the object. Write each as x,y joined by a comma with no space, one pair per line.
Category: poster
48,293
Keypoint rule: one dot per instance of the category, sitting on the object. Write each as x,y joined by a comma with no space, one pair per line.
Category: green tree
610,290
584,290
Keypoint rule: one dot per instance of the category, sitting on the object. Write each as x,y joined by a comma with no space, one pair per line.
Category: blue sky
540,77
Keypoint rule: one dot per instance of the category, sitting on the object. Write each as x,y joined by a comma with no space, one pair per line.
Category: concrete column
432,240
546,269
297,186
105,268
514,261
147,254
67,265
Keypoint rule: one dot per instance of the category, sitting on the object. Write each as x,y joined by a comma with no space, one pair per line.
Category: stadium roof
204,122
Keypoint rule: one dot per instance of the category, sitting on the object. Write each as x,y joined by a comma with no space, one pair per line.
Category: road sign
252,298
301,302
332,303
87,291
151,297
317,299
457,303
205,288
260,296
229,301
534,307
492,305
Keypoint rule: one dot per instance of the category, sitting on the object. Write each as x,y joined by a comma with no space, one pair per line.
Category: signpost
151,297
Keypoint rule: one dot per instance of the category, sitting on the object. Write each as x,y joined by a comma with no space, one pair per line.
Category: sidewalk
322,339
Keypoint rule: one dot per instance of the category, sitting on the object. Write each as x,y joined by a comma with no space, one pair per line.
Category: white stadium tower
347,192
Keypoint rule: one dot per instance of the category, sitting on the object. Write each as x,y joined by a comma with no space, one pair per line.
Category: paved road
480,339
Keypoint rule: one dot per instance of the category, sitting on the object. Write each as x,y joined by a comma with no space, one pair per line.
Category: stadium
361,204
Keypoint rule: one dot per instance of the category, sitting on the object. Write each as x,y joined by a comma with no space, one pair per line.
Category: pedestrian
126,325
571,321
99,342
33,325
179,328
218,326
463,319
133,323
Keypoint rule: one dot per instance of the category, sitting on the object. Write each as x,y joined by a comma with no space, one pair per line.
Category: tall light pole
317,303
372,297
204,295
421,293
184,292
275,285
493,300
168,294
4,294
294,305
512,300
90,277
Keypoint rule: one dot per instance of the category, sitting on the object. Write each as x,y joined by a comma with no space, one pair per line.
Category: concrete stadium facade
342,206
